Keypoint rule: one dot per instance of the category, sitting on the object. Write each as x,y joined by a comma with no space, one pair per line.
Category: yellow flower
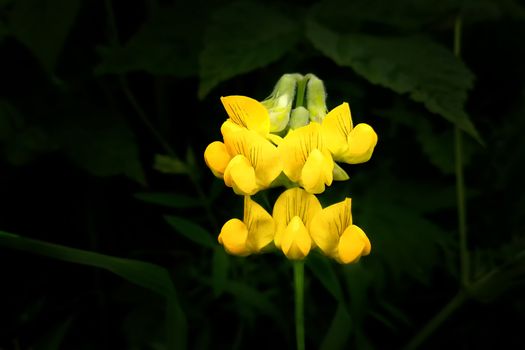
306,159
333,232
348,144
293,212
251,235
247,161
245,112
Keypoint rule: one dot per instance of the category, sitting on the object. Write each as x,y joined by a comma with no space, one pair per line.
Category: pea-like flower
333,232
251,235
248,113
348,144
293,212
306,159
246,161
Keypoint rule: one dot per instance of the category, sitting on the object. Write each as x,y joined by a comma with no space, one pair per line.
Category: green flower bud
299,117
315,98
279,103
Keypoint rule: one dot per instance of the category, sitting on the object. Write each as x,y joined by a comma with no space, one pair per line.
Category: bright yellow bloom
251,235
348,144
293,211
245,112
247,161
306,159
333,232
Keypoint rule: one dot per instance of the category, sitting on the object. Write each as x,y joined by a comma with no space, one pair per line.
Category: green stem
298,269
435,322
460,184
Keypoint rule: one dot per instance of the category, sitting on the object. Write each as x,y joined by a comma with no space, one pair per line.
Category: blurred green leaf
437,145
241,37
249,295
172,200
191,231
43,26
146,275
220,265
339,331
428,72
323,270
54,338
167,44
169,165
100,142
403,240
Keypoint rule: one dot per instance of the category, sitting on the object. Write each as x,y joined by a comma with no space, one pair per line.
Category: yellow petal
296,242
293,202
361,143
233,237
266,160
335,127
313,176
217,158
240,175
351,245
296,147
361,233
247,112
329,224
261,227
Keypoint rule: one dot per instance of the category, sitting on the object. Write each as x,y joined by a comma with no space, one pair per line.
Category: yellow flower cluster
253,157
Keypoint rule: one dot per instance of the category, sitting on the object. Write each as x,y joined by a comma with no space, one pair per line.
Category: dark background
107,106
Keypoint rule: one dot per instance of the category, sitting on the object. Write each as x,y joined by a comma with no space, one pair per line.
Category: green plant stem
460,183
298,269
437,320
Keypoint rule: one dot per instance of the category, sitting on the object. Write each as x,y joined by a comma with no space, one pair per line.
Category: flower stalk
298,271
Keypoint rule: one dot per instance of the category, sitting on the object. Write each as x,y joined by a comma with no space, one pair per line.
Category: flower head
348,144
333,232
293,212
251,235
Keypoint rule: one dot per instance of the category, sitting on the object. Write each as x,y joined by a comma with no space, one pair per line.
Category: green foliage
164,45
141,273
241,37
43,27
190,230
411,64
172,200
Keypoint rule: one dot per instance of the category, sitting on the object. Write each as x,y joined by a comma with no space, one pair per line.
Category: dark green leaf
323,270
437,146
146,275
254,298
172,200
241,37
169,165
219,274
428,72
53,339
191,231
339,331
43,26
167,44
101,143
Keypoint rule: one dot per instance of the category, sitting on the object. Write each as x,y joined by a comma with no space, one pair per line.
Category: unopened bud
315,98
299,117
280,102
